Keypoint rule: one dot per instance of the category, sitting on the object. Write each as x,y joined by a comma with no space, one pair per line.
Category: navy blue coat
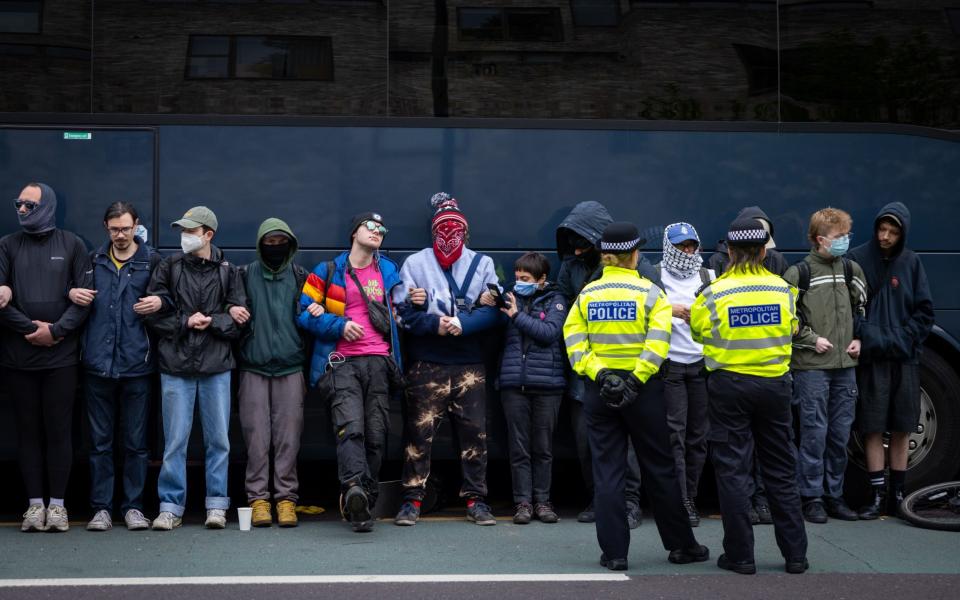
534,355
116,343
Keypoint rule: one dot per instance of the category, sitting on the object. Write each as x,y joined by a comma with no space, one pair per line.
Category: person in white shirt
684,384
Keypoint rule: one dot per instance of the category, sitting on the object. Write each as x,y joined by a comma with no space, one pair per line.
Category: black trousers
44,406
685,390
748,412
360,412
610,431
531,420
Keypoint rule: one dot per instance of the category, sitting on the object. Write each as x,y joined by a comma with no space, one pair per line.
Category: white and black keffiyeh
679,263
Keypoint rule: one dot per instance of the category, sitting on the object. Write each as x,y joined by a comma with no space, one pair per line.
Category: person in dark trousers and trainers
746,319
774,262
273,354
349,311
119,364
617,334
899,319
684,385
40,348
825,352
204,301
531,383
578,239
440,312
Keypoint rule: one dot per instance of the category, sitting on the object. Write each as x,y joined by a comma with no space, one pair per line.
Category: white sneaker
216,518
135,520
166,521
100,521
35,519
57,518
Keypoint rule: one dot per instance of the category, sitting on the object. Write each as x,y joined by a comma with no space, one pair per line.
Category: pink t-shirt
372,342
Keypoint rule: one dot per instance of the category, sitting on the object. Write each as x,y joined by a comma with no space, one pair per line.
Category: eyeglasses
115,231
30,204
374,226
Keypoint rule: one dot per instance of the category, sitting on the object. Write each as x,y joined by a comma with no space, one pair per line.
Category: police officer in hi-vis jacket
745,320
617,335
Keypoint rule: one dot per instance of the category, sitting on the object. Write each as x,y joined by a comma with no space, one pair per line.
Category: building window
260,57
595,13
20,16
510,24
761,66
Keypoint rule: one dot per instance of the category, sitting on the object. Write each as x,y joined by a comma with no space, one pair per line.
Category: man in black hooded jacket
899,319
40,347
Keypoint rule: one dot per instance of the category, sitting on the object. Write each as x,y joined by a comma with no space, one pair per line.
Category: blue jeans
128,398
179,396
826,401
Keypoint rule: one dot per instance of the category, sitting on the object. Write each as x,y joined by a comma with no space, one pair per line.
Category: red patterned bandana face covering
448,240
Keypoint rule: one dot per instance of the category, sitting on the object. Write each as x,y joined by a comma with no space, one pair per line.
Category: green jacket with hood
831,310
274,345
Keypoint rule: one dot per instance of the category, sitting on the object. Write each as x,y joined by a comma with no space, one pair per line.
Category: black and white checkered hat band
748,235
619,246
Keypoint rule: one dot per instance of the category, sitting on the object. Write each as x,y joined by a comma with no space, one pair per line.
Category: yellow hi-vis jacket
746,323
621,321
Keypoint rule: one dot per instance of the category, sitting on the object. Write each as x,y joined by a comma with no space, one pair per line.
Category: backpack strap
331,267
460,291
847,270
705,278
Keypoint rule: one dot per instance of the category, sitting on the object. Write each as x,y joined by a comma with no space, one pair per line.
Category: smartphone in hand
497,296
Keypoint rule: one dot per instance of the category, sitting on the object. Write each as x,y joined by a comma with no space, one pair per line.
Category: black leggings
44,404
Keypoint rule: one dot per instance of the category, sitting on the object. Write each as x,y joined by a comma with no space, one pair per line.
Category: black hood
900,211
587,219
44,217
755,212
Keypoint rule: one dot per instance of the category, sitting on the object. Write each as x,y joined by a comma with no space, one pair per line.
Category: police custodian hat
746,232
620,236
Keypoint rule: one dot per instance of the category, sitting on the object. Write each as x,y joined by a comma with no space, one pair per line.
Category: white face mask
190,243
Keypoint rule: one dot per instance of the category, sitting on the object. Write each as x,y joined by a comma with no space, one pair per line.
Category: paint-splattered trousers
433,391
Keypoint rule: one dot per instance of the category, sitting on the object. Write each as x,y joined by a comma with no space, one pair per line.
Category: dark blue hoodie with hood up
899,305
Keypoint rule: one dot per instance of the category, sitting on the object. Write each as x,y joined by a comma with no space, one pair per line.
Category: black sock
877,479
896,479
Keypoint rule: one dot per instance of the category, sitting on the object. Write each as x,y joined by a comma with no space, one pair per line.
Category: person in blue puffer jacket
531,384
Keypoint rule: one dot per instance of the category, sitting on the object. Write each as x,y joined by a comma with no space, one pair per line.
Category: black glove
612,387
633,387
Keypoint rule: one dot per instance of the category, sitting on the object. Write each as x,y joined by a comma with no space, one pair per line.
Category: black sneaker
699,553
634,515
408,515
614,564
524,514
743,567
797,566
764,516
545,512
754,516
357,505
587,515
480,514
871,511
814,512
838,509
363,526
692,515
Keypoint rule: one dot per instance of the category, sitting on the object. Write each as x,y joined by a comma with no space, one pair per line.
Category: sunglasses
30,204
374,226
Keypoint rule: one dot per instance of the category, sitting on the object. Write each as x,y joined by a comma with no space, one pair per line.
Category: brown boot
287,513
261,513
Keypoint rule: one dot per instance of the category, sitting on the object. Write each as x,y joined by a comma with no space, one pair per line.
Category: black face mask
275,255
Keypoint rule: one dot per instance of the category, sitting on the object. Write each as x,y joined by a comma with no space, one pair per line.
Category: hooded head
898,215
276,245
755,212
43,216
587,220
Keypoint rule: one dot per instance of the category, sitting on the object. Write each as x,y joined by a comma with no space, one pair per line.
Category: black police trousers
747,414
609,430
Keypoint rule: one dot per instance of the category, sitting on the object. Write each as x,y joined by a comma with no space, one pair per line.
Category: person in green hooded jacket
273,355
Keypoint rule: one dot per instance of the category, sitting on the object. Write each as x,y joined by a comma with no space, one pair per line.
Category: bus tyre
935,445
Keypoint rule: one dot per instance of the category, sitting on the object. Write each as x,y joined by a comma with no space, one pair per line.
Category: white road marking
308,579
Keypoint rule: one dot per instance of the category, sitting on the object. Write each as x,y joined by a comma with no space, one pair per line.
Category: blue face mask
839,246
525,289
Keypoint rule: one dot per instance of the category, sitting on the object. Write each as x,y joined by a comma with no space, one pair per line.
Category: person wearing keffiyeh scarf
680,263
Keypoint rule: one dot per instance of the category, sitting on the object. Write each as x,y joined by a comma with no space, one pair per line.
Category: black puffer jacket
899,305
774,261
534,355
191,284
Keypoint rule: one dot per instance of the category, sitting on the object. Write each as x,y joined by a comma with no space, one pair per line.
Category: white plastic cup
244,515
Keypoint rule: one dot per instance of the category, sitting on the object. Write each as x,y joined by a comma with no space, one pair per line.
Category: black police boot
894,500
614,564
813,510
692,515
872,510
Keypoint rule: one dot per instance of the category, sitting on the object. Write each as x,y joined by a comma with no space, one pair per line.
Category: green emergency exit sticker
77,135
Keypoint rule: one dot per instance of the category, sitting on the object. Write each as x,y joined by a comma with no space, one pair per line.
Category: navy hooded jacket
900,305
534,357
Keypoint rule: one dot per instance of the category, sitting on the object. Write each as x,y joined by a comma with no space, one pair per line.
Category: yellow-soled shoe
261,516
287,513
